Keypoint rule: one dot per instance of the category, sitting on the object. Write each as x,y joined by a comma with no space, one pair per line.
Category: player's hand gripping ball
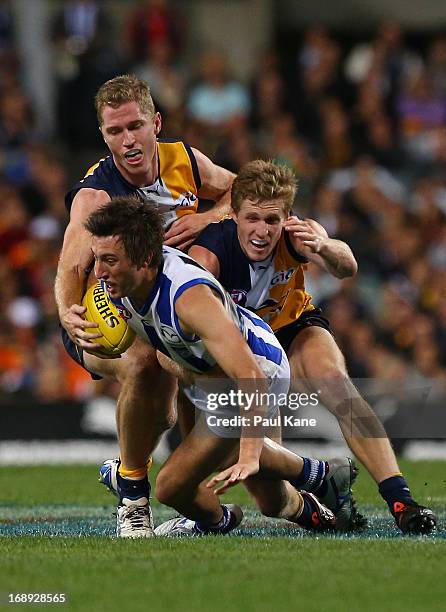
117,336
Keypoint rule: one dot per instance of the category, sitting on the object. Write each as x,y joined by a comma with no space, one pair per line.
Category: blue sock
133,489
312,477
220,527
394,491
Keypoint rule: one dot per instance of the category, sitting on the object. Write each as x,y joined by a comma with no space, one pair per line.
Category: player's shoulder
101,176
286,250
218,233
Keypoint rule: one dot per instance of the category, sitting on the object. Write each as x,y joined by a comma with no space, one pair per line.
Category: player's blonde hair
122,89
261,181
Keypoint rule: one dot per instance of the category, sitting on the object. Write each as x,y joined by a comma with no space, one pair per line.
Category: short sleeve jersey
175,190
274,289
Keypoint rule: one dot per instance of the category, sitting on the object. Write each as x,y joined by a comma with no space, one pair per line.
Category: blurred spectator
217,100
154,24
436,65
421,112
84,57
167,82
389,51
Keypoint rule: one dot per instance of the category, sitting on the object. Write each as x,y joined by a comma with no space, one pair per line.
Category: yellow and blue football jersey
175,190
274,289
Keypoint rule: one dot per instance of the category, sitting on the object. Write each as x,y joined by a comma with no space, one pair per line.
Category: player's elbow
349,269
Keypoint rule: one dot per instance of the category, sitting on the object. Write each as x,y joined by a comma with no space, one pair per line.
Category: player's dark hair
139,226
122,89
261,181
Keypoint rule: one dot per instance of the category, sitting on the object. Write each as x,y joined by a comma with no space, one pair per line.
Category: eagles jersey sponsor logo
282,277
187,199
278,304
238,295
161,196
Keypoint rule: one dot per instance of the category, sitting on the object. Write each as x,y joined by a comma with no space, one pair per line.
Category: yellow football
117,336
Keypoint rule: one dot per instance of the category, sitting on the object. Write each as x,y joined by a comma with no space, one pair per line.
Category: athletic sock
135,473
133,489
312,477
220,527
396,493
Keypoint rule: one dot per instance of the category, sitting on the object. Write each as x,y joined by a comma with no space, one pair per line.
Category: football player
259,257
164,294
174,176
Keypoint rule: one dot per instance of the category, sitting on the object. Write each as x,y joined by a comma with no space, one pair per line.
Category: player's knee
167,487
167,419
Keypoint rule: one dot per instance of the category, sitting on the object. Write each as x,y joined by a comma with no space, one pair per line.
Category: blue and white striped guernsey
157,321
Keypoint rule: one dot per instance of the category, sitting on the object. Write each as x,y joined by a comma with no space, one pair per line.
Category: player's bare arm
74,259
310,239
235,359
206,258
216,183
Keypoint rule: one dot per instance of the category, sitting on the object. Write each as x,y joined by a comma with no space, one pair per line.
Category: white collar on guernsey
258,266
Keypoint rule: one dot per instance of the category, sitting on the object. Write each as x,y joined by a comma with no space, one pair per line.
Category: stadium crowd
362,126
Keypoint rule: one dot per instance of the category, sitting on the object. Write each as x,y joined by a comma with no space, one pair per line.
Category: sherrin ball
117,336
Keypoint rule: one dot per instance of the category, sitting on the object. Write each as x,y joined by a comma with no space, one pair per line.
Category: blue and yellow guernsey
175,190
274,289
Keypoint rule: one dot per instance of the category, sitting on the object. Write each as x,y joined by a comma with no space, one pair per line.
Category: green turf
264,566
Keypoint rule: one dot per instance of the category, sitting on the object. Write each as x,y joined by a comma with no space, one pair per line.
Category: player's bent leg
279,499
180,484
315,357
145,409
330,481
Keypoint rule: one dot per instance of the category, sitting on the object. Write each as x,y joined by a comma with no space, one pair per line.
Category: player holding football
173,176
258,256
164,294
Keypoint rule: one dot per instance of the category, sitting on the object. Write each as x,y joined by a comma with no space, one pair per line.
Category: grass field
57,525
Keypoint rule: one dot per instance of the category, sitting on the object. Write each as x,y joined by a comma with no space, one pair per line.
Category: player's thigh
314,354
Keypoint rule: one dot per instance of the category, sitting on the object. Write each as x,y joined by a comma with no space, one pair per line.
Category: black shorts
75,352
310,318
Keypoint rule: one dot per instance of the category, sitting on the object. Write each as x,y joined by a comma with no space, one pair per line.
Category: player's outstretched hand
233,475
76,327
183,232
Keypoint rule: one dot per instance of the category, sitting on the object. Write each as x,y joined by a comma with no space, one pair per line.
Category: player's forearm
221,208
250,446
338,258
68,288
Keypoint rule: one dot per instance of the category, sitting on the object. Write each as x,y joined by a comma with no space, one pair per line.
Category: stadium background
353,102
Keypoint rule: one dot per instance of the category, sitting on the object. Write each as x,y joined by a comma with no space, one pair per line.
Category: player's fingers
88,336
218,478
181,240
77,309
184,245
88,324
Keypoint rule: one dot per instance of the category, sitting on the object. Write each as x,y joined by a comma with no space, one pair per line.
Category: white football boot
134,519
182,526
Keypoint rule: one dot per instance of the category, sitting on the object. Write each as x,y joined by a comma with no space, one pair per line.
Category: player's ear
157,122
102,134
